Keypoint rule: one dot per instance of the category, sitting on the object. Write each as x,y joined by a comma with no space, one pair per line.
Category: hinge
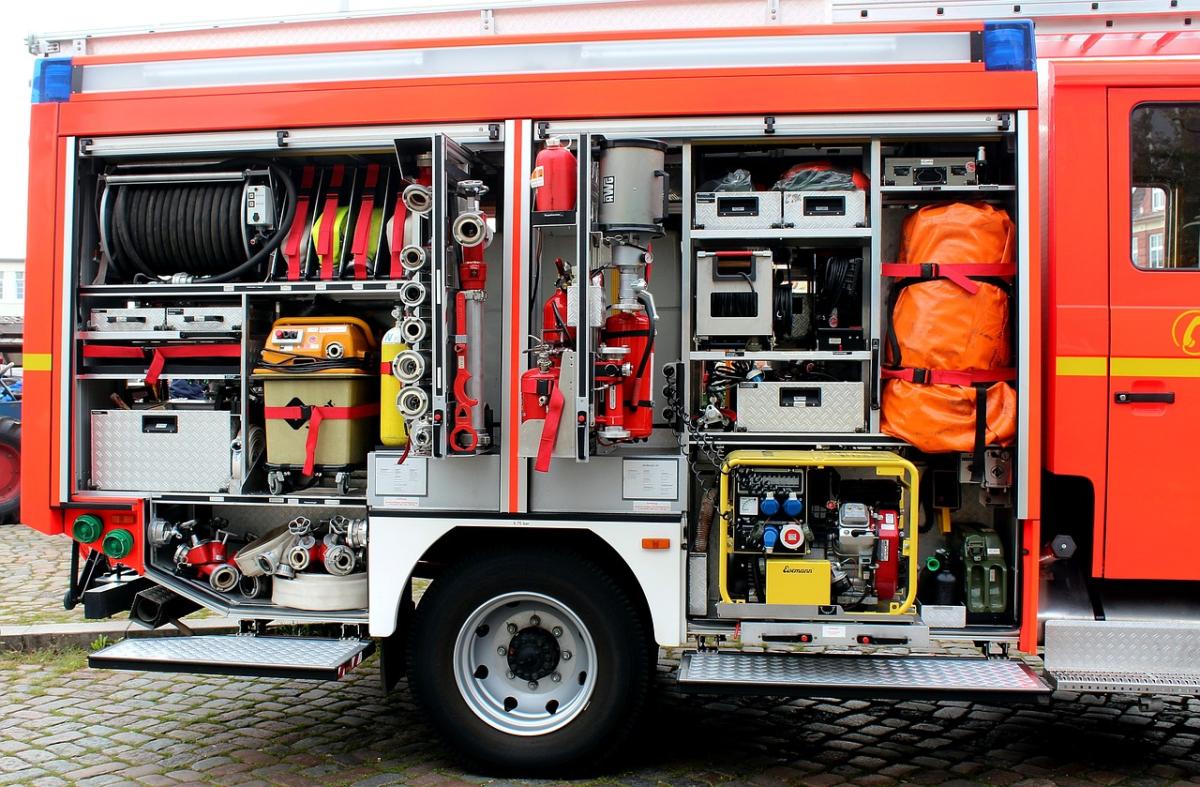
543,129
769,124
487,21
773,14
281,137
84,145
254,628
494,132
1005,121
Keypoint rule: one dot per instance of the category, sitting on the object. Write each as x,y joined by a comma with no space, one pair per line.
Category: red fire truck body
301,334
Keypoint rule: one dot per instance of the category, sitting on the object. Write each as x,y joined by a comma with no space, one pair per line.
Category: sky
56,16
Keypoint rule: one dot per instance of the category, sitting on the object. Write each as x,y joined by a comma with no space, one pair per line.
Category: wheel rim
525,663
10,471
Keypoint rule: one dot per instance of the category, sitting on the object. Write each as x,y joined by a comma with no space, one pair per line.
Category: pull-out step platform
1124,656
867,676
237,654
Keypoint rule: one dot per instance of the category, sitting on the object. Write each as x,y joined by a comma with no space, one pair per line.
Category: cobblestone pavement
33,577
63,723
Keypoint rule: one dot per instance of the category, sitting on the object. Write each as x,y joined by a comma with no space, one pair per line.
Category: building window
1156,250
1164,159
20,285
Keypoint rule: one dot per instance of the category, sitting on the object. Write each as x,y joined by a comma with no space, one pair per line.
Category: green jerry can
985,577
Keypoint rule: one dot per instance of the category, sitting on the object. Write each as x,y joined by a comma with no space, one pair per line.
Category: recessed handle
1134,397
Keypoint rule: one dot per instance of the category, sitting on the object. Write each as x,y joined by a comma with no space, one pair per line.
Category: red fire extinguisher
555,175
554,312
634,331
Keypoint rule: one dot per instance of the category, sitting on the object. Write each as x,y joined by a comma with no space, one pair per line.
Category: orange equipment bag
949,338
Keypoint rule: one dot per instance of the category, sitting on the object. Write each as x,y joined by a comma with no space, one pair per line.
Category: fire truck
801,336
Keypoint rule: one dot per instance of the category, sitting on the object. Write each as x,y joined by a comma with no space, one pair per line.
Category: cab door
1152,528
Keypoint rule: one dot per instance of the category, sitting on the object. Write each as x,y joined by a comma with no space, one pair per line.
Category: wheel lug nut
501,651
512,628
510,675
556,677
535,621
566,655
557,631
533,684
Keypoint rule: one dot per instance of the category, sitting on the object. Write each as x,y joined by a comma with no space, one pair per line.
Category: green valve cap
933,564
118,543
87,528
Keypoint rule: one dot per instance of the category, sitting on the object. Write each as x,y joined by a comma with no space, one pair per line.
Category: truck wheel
530,661
10,470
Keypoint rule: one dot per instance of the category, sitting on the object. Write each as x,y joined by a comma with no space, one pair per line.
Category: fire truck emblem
1185,331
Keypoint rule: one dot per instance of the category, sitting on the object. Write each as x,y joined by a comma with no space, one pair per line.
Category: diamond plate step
873,676
235,654
1124,656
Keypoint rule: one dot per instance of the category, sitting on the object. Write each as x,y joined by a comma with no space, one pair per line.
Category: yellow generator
320,398
813,533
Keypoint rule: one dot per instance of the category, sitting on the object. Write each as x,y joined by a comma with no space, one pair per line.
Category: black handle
160,424
1131,397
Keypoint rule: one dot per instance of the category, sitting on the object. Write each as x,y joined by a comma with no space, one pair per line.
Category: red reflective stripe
550,428
159,355
950,376
316,416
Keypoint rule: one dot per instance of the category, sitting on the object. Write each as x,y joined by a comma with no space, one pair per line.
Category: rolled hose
193,228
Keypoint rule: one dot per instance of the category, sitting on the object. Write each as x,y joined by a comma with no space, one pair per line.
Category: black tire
10,470
625,660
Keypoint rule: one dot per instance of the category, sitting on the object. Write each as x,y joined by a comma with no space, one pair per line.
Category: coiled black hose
194,228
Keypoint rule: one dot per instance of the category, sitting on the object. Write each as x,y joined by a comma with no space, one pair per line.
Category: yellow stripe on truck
37,362
1099,366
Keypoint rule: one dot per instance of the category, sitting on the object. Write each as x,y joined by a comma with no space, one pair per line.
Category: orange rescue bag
949,338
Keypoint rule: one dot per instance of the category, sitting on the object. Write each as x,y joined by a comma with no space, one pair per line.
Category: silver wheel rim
525,663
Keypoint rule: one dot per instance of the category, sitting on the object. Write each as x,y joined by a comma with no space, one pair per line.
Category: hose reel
201,225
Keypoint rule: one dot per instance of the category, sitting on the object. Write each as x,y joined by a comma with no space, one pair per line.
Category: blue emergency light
51,79
1009,46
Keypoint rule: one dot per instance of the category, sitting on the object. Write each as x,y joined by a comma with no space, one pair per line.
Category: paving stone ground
65,724
61,723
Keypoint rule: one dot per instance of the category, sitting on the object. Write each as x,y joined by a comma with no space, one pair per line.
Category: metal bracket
769,124
543,129
487,21
281,138
253,628
494,132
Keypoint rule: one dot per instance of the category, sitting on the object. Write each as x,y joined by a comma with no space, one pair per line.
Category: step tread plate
234,654
1107,682
877,676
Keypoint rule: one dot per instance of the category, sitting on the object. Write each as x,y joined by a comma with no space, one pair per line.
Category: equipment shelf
779,355
784,233
348,287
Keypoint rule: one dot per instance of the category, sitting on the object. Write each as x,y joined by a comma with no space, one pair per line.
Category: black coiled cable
193,228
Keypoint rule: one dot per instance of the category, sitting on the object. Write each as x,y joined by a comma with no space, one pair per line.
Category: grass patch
55,661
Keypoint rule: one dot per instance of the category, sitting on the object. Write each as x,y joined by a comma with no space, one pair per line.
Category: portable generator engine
819,535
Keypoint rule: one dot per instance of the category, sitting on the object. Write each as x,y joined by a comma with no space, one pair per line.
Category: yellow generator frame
885,463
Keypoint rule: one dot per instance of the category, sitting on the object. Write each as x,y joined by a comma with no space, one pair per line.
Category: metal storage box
204,319
930,172
819,407
736,302
340,441
163,450
738,210
825,209
126,320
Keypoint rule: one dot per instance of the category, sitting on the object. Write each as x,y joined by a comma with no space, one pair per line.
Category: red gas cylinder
632,330
559,177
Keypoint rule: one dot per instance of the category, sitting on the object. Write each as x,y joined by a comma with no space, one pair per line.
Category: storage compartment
814,406
163,450
738,210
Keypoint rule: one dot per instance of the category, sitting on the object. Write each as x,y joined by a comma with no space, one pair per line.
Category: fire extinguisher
555,175
633,408
555,330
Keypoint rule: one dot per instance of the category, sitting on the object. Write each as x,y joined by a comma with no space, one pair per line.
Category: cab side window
1165,198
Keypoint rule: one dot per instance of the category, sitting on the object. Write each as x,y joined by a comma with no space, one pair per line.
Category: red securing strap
363,227
159,355
399,215
291,245
949,376
316,416
328,220
956,273
549,437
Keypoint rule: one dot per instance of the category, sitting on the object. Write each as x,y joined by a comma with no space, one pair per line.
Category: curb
82,635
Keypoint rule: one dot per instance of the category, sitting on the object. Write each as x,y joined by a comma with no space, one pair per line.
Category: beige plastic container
340,441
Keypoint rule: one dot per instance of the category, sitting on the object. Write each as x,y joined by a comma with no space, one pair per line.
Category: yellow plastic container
340,441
